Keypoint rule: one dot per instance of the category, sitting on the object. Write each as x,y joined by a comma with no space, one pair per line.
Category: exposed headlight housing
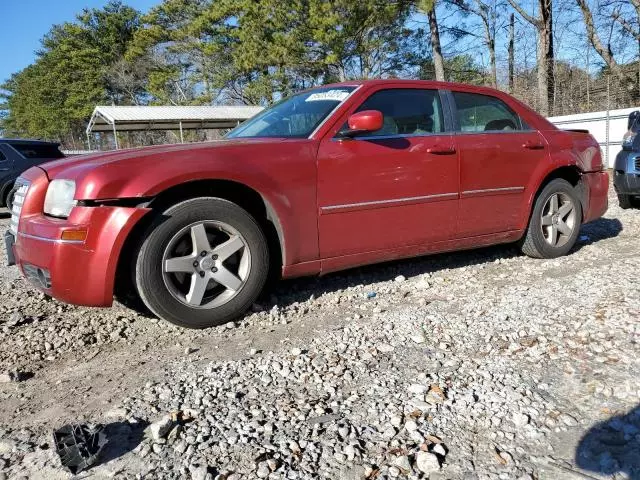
628,138
59,200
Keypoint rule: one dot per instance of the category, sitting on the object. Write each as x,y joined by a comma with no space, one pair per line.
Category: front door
498,156
392,188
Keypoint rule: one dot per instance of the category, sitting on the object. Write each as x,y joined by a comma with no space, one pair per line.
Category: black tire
148,267
624,201
628,201
534,243
7,201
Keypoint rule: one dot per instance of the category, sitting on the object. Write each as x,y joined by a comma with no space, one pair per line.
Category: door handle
533,145
441,150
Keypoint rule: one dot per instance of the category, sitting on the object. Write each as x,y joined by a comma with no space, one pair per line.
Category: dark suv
626,175
16,156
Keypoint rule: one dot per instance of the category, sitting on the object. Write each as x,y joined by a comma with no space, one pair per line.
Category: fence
607,127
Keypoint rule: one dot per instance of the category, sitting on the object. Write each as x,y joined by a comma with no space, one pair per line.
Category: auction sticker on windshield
332,95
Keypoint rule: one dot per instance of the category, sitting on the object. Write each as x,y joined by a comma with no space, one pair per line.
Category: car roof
425,83
25,141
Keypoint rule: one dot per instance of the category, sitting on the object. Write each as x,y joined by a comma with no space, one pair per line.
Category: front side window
483,113
405,112
296,116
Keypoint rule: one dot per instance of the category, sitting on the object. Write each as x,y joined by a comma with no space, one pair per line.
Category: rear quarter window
33,151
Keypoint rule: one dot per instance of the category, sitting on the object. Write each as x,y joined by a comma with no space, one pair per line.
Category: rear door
392,188
499,153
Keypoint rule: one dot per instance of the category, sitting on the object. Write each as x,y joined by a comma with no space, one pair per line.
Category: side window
483,113
406,111
38,151
3,158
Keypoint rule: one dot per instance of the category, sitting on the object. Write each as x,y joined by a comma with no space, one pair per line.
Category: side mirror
363,122
633,117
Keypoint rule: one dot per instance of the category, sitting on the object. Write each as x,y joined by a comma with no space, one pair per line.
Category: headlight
59,200
628,139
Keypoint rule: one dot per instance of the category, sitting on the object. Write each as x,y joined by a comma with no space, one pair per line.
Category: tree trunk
490,41
544,26
545,63
594,39
512,43
438,61
494,68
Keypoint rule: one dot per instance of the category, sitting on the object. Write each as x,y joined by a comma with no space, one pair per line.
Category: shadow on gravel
122,437
612,447
300,289
600,229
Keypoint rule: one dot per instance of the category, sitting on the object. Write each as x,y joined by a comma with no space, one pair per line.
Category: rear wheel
555,221
202,263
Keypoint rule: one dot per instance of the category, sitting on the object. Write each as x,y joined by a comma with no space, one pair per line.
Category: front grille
19,193
637,164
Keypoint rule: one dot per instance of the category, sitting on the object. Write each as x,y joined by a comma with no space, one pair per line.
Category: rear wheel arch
570,173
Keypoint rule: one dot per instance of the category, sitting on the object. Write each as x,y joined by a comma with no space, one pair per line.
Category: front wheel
202,263
555,221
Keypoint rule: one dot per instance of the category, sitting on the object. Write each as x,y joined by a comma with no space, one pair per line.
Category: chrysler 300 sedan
330,178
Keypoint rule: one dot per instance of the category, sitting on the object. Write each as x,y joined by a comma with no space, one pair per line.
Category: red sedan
328,179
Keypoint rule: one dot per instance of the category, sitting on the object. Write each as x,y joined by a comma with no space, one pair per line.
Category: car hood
145,172
76,167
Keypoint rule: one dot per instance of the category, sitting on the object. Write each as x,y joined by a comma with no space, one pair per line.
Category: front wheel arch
242,195
245,197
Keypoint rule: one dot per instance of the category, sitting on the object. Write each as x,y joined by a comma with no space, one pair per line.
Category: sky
25,22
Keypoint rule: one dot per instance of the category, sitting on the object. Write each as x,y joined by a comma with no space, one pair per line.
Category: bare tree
605,52
429,9
634,31
545,57
487,12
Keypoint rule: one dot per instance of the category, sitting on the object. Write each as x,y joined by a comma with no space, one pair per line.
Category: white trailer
607,127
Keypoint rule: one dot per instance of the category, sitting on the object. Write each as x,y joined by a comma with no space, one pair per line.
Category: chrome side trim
491,191
387,203
49,240
326,119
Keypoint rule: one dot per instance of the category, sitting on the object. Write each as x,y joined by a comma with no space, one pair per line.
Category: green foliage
53,98
258,51
460,68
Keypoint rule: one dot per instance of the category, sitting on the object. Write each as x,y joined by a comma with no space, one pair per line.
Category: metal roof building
131,118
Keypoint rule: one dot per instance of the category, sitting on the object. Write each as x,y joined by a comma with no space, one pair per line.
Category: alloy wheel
558,219
206,264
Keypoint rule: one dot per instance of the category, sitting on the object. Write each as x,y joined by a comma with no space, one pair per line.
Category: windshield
294,117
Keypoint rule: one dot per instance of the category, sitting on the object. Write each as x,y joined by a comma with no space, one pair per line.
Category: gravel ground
472,365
